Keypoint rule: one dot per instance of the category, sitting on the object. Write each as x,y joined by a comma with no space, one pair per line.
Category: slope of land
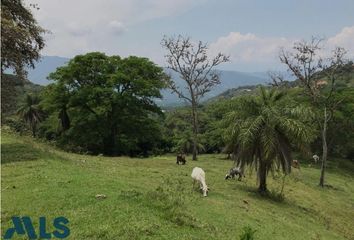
13,90
153,199
345,79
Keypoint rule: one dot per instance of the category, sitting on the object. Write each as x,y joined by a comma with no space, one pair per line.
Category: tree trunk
110,144
195,130
324,148
110,140
262,175
64,119
34,130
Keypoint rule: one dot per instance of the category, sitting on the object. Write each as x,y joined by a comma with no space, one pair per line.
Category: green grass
153,198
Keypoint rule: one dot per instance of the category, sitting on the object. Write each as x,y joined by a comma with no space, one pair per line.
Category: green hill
13,89
346,79
152,198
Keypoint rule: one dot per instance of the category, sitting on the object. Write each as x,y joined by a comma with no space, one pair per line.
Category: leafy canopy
21,36
106,103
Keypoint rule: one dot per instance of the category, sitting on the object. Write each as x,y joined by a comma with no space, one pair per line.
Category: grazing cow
295,164
234,172
198,175
181,158
316,158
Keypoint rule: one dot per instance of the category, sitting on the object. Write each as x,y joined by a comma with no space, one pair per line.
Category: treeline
100,104
215,134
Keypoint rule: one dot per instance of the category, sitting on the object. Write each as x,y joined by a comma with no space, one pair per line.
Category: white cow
316,158
234,172
199,175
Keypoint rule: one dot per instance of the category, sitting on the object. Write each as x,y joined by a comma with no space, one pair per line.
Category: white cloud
117,27
93,25
250,48
77,30
80,26
345,39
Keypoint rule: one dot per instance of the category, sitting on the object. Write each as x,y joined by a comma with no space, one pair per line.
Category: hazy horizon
251,32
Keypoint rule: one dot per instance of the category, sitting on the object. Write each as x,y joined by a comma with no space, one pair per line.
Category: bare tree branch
191,61
277,78
312,70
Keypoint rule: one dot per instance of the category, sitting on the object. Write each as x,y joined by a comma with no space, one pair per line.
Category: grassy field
153,198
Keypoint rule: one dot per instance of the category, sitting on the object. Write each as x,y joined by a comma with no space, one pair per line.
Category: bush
16,125
247,233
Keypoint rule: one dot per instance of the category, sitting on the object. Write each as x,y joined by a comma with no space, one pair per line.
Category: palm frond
30,111
263,129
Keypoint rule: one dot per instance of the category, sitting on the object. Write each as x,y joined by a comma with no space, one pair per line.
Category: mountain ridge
229,79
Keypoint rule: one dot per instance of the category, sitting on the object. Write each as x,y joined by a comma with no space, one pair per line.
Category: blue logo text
23,225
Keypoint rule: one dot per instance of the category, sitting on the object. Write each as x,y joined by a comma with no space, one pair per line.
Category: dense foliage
101,104
21,37
13,90
104,104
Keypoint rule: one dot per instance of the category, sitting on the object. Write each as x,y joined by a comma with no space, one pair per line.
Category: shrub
247,233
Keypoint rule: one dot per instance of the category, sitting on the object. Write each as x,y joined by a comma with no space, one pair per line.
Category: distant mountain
229,79
260,74
46,65
345,79
235,92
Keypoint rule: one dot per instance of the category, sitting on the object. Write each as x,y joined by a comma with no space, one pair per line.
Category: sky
251,32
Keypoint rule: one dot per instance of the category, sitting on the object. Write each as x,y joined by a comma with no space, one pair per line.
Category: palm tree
264,129
30,112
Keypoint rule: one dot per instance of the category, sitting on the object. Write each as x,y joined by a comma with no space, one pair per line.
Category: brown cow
295,164
181,158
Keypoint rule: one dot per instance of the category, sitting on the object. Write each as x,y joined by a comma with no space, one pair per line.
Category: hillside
13,89
344,80
152,198
235,92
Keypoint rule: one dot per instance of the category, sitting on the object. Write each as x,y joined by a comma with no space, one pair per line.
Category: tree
179,130
214,129
318,77
341,128
31,112
56,99
21,37
105,104
197,69
262,130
